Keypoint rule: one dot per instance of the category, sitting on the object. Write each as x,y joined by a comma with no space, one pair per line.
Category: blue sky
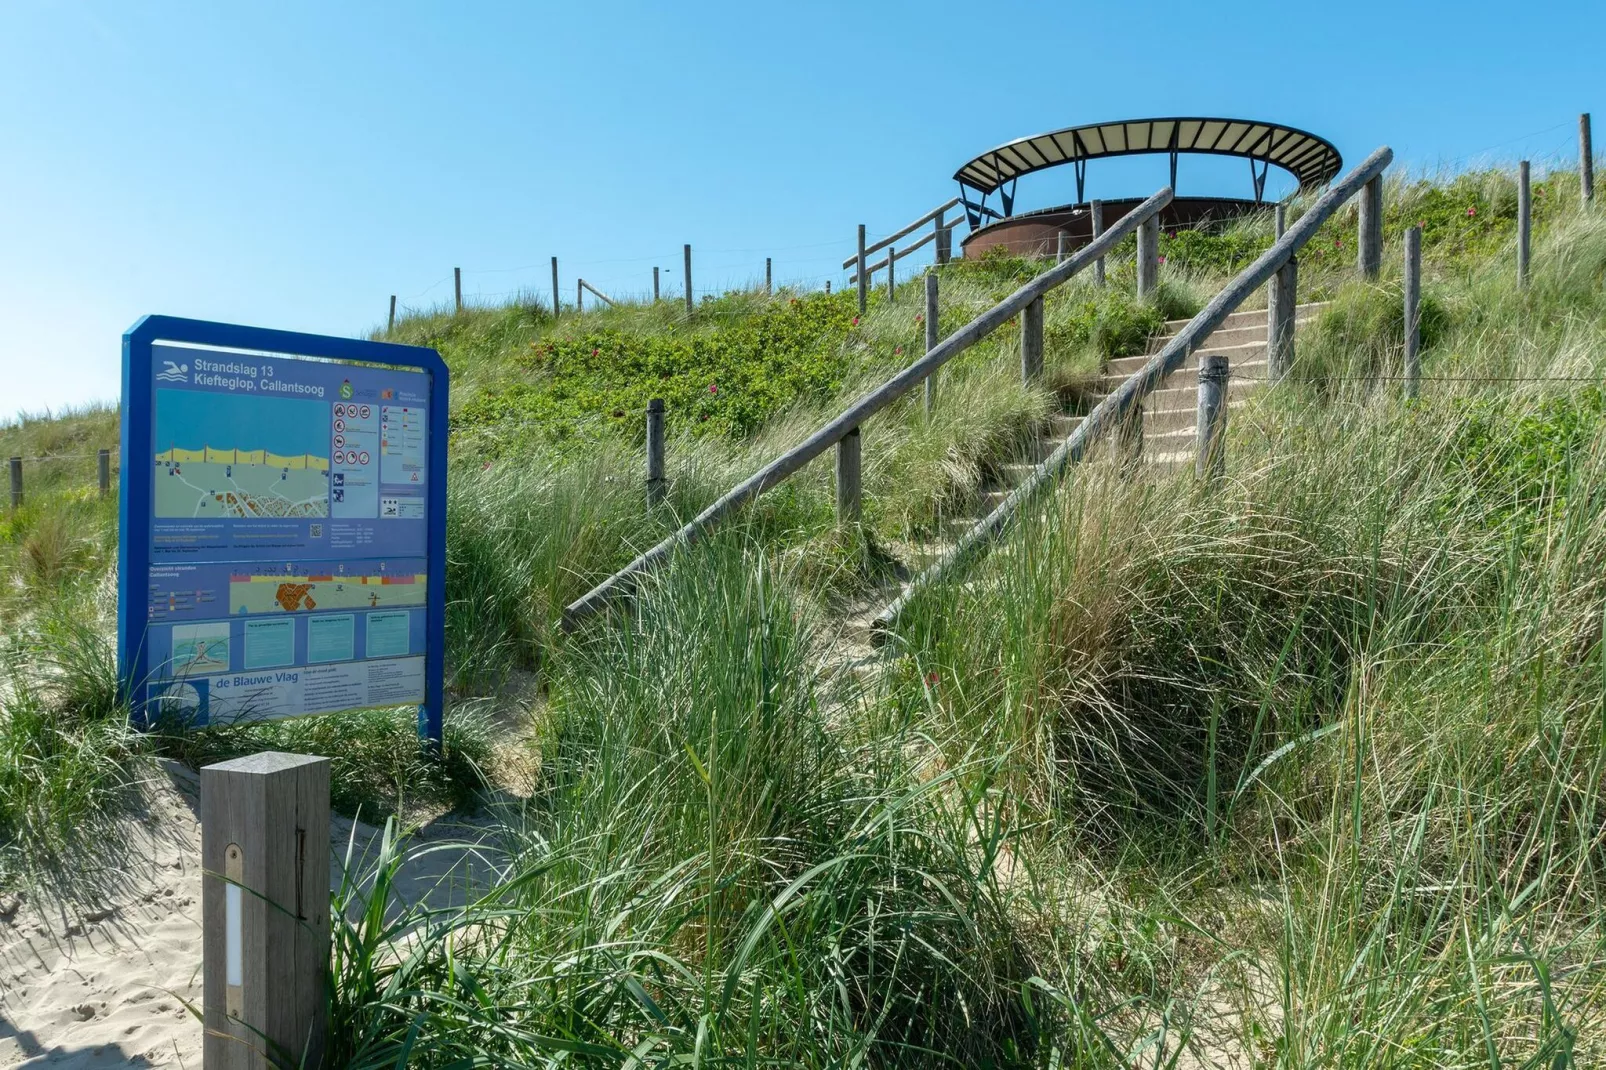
293,164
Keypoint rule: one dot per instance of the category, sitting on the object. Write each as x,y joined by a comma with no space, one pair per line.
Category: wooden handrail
897,254
1112,410
916,225
865,406
596,291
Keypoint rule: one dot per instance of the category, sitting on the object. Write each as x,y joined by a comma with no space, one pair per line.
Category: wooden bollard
1210,459
864,279
555,307
655,451
1413,311
849,506
690,305
1369,239
931,338
1524,221
1282,297
1148,255
390,325
1031,342
457,286
1586,161
1096,210
103,471
16,482
265,911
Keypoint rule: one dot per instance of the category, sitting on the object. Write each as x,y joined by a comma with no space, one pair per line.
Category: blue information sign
283,524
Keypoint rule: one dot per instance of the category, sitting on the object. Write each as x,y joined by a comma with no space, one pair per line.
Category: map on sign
280,558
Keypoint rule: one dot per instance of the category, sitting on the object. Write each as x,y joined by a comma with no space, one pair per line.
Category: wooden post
1148,255
1210,459
1031,342
864,279
945,238
848,504
892,258
264,910
686,252
828,287
1586,161
769,282
931,338
655,451
555,307
1281,216
1059,247
579,295
391,325
1096,210
1282,295
1369,240
457,286
655,286
1524,221
16,482
103,471
1413,314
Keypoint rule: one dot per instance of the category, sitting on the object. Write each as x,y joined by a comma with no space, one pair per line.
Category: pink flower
1471,211
931,679
855,321
595,351
712,389
1162,260
898,350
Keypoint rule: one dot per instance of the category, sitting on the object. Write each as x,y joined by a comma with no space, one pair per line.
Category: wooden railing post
265,910
1282,297
769,283
655,451
1280,217
1210,459
931,338
390,325
556,308
1148,255
849,506
945,237
1031,342
103,471
1096,210
457,286
1059,247
1369,240
1586,161
16,482
864,276
1524,221
690,305
1413,315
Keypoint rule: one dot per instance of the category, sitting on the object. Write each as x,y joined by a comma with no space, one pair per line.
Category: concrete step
1186,396
1121,367
1248,317
1182,416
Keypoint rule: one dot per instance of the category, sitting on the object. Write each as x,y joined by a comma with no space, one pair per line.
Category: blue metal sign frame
137,500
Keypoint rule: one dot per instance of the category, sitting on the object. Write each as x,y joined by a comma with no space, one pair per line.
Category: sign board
283,524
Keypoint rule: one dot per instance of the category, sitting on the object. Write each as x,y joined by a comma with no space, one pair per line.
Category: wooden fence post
1059,247
1282,297
579,295
931,338
103,471
1524,222
945,239
769,282
1281,219
655,286
1210,459
264,910
864,279
1369,240
556,308
457,286
655,451
892,258
16,482
828,287
1096,210
1413,315
686,252
848,503
1586,161
1148,255
391,324
1031,342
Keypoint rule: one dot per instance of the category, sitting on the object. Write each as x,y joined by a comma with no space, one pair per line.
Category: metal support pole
555,307
1413,311
1210,460
1148,255
1096,210
686,252
655,286
265,910
864,279
103,471
655,451
1282,295
1031,342
769,282
931,338
1369,240
848,504
1524,221
892,258
391,324
457,286
1586,161
16,482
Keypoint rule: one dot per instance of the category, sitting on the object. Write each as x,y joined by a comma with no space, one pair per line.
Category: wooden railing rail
929,217
867,405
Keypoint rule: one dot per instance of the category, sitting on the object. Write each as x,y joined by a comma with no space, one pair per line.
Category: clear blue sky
293,164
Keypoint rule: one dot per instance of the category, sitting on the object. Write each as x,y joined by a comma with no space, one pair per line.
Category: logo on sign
174,373
345,390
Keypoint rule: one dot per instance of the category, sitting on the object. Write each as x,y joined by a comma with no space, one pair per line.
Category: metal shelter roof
1310,159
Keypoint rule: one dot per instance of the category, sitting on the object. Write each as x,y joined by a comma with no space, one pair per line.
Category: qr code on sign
315,531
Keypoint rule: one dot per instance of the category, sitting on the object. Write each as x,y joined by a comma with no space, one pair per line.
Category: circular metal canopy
1310,159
